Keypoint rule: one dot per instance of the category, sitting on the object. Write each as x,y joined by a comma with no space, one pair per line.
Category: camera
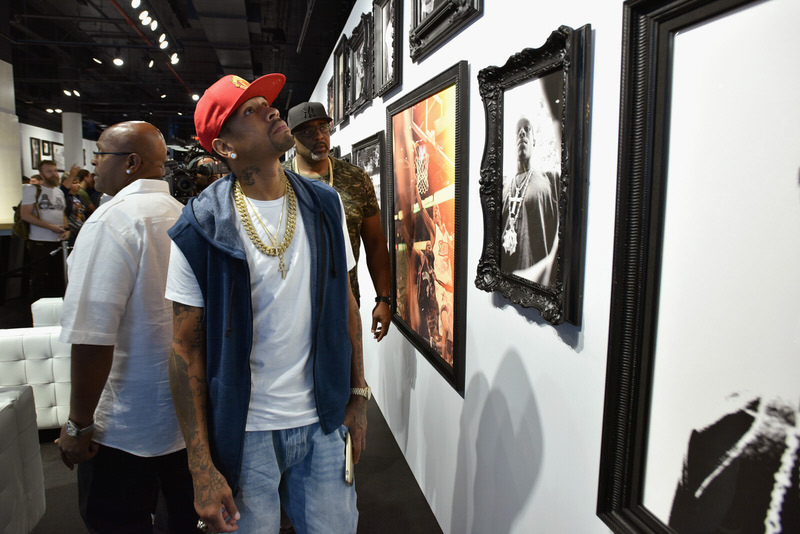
188,179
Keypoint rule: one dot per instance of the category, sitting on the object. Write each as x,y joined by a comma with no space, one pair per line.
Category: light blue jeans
303,469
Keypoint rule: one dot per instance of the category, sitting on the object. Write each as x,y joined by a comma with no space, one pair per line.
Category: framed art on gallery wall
58,156
387,52
433,22
361,65
368,154
331,99
426,133
534,175
340,75
47,149
36,155
702,402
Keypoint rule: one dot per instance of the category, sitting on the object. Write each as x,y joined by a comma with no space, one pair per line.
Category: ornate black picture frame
361,75
36,154
534,194
731,475
433,22
369,155
426,192
331,102
341,73
387,15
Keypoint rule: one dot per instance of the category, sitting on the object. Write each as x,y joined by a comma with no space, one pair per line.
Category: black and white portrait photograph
367,155
357,71
531,172
36,155
702,422
387,20
360,64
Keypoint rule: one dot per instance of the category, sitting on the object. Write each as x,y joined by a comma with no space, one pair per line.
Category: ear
221,147
134,162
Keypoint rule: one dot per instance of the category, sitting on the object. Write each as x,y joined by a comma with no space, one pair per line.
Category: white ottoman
22,502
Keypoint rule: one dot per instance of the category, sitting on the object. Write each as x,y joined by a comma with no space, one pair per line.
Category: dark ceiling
53,43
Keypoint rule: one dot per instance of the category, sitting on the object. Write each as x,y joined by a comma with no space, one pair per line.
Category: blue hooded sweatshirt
206,234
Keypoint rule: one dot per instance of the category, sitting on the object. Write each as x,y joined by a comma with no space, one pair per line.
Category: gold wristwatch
363,392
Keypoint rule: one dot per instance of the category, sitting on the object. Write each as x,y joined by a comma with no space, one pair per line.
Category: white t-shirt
281,393
51,210
115,296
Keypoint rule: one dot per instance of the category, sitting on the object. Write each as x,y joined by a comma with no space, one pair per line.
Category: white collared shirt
115,296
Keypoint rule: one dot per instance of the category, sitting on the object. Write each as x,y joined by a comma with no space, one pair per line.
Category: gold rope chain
279,250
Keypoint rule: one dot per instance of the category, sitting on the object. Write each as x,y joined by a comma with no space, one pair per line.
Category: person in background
266,367
122,430
310,126
43,208
87,185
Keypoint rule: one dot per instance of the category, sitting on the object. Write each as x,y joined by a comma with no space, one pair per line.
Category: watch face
71,429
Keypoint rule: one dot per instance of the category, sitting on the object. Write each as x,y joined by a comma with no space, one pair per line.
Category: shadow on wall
499,450
569,334
399,385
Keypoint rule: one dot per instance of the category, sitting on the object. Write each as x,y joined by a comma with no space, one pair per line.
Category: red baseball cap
225,97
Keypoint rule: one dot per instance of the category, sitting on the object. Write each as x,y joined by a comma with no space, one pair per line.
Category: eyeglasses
310,131
111,153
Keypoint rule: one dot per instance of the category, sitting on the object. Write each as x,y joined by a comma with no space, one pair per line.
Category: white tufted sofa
35,357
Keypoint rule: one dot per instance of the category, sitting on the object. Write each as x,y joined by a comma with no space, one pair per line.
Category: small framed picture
433,22
361,65
387,18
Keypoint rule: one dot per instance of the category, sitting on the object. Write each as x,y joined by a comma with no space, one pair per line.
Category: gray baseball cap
307,111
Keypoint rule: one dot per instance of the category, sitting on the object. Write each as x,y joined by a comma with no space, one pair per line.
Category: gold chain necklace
330,169
275,250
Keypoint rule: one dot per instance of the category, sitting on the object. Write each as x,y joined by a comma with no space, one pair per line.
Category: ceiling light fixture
144,14
195,97
58,110
163,44
162,37
75,92
154,25
118,61
66,92
150,64
146,21
135,3
50,110
163,96
174,58
97,60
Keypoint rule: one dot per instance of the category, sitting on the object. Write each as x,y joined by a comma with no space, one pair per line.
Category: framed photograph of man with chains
534,175
426,138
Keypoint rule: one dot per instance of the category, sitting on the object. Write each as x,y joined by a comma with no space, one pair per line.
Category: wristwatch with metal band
363,392
74,431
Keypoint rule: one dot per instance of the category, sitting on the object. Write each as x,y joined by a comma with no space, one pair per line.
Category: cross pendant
283,268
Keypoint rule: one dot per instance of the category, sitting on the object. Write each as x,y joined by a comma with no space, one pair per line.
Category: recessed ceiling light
50,110
154,25
66,92
163,96
163,44
118,61
195,97
135,3
58,110
150,64
162,37
180,114
143,14
174,58
75,92
146,21
97,60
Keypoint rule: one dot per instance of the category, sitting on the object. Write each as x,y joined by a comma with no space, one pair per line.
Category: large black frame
649,29
398,163
360,62
341,74
569,53
387,13
375,144
446,18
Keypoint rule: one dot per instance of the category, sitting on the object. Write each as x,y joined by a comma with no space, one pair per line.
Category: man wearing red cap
266,366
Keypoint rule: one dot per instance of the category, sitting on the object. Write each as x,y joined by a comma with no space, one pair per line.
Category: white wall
520,452
27,131
10,176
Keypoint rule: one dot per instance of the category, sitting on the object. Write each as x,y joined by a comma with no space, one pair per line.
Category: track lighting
135,3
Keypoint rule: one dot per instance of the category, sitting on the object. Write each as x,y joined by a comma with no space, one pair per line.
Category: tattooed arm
213,499
356,412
